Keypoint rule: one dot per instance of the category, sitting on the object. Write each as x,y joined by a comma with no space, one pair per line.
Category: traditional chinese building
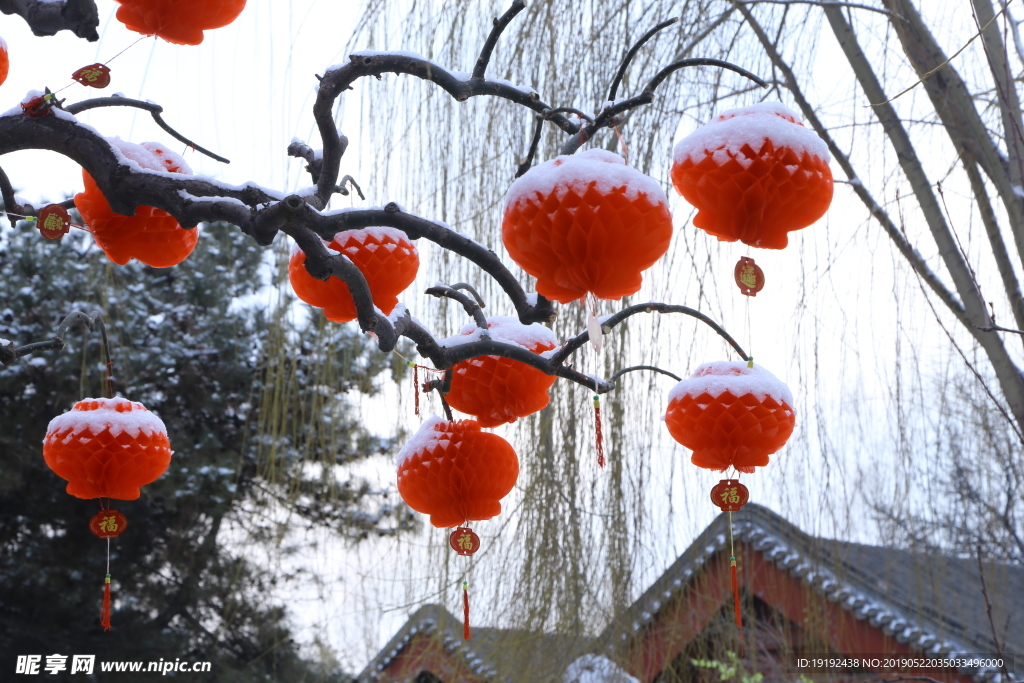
803,598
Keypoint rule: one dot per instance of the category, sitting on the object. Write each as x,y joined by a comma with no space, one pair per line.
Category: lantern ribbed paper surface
754,174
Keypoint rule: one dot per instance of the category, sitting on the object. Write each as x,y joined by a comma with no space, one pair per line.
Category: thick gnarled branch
47,17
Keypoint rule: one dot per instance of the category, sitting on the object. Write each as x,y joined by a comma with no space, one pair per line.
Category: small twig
997,328
492,39
932,72
154,109
823,3
472,307
355,186
538,127
631,53
442,385
11,205
579,340
447,408
568,110
469,288
652,368
608,116
991,623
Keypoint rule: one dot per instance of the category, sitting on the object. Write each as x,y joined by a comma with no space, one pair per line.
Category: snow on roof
718,376
735,128
600,168
592,668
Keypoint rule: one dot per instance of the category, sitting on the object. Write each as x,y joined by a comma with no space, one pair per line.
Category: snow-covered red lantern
178,21
455,472
499,390
386,258
107,448
5,61
151,236
754,174
586,223
731,415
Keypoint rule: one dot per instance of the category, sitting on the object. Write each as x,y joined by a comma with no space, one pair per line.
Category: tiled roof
539,656
931,602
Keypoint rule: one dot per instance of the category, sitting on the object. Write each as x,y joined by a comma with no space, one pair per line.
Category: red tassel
736,600
465,611
597,429
105,610
416,387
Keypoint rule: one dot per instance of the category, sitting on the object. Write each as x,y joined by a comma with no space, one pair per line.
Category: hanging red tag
749,276
94,75
108,524
464,541
730,495
53,221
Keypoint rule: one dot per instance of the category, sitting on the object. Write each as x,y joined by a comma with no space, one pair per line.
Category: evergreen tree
258,421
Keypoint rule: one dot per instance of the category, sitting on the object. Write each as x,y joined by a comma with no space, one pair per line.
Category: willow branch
492,39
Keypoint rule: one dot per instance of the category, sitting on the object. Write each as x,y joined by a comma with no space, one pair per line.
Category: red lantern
107,448
5,61
499,390
754,174
151,236
454,472
178,21
731,415
586,223
386,258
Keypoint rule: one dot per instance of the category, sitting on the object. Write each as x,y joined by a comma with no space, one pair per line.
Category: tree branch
608,114
492,39
153,108
47,17
471,306
631,53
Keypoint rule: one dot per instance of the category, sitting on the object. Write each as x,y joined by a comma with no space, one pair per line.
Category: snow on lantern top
599,168
735,377
752,125
116,414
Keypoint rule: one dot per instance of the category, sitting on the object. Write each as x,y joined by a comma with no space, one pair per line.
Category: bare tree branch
499,26
631,53
47,17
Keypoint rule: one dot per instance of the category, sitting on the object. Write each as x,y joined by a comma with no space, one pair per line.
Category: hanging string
33,219
465,610
598,432
108,61
735,585
622,143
